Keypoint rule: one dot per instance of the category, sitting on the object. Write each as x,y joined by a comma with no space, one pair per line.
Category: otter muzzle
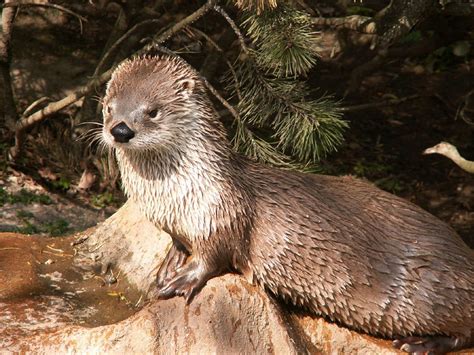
122,133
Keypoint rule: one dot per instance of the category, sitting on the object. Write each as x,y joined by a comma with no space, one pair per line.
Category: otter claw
187,283
182,285
427,345
174,260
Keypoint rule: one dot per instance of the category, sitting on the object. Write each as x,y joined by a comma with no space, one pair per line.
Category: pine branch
293,129
284,39
258,149
257,6
307,129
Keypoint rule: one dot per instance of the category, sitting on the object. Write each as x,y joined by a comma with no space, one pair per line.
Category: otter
336,246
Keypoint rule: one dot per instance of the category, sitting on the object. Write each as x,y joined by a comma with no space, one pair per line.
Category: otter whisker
104,148
96,98
85,136
91,123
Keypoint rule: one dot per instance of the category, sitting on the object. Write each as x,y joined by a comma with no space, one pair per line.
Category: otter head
149,103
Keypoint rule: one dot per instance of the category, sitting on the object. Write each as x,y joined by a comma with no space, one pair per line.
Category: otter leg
175,259
430,345
188,280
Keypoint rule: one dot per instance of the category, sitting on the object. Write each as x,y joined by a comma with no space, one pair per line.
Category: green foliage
412,37
28,228
285,40
255,5
54,228
381,174
444,58
23,196
440,60
102,200
305,128
62,184
282,121
391,184
24,214
370,169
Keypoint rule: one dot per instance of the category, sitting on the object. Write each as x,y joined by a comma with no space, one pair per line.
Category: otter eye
153,113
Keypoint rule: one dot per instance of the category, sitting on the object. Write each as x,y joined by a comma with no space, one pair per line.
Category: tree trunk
8,109
56,297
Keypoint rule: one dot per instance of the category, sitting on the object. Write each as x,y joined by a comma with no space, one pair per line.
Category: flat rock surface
41,290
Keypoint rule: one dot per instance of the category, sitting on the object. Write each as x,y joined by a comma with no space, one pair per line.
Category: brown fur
335,245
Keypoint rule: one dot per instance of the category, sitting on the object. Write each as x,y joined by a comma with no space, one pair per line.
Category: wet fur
335,245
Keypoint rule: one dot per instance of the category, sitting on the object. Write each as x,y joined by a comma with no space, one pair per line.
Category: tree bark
8,109
400,16
228,316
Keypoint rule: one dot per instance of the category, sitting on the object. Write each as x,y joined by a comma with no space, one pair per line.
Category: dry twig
220,50
63,255
362,24
378,104
47,4
115,46
236,29
34,104
223,101
372,65
466,108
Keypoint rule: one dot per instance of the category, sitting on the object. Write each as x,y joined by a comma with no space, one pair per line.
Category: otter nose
122,133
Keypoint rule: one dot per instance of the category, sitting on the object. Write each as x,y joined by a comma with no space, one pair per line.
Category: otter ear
186,87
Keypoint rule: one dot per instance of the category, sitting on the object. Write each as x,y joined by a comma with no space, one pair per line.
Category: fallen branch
34,104
362,24
180,25
388,25
399,17
466,108
363,70
378,104
451,152
372,65
48,4
26,122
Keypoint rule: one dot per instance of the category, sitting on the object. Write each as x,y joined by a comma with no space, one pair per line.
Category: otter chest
183,202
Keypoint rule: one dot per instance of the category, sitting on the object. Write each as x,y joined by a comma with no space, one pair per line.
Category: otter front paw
174,260
428,345
187,283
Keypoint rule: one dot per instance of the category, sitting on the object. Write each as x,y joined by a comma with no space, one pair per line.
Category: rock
64,307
